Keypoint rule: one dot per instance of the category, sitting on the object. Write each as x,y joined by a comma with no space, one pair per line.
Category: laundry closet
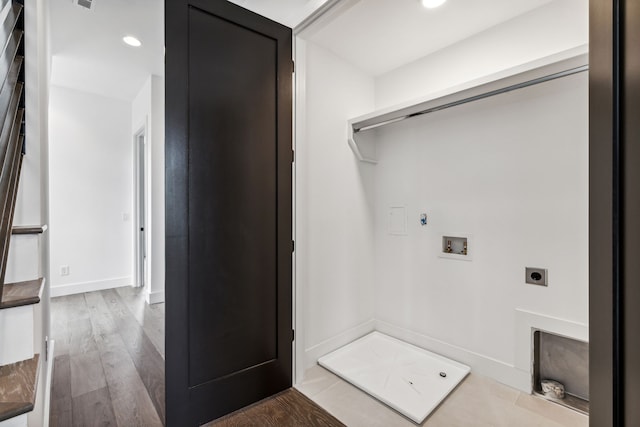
441,184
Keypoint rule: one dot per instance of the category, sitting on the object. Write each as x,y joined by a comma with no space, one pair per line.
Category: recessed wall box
456,246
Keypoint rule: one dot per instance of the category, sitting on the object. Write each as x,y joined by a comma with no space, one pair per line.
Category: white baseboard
98,285
155,297
517,376
312,354
483,365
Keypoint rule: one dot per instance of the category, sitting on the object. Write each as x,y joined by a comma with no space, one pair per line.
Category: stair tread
18,383
21,293
28,229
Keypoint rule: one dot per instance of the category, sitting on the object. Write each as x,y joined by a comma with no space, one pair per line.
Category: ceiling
287,12
88,51
381,35
89,54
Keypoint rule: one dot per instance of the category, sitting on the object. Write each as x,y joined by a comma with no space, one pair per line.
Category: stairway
20,335
21,282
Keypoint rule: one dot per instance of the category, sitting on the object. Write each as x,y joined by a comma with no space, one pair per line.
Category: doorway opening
106,192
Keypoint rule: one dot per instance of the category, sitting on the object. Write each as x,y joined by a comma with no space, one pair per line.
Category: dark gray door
228,209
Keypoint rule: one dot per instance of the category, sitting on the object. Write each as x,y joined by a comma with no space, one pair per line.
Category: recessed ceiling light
132,41
430,4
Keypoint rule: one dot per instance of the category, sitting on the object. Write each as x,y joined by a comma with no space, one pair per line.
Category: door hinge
293,246
293,335
293,66
293,156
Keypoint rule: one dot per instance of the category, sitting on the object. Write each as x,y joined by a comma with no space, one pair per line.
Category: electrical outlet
536,276
64,270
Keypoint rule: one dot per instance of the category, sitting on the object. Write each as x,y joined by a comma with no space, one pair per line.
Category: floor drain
443,374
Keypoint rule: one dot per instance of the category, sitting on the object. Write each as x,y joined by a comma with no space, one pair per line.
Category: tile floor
477,401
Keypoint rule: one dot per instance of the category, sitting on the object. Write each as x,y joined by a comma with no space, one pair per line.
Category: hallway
109,360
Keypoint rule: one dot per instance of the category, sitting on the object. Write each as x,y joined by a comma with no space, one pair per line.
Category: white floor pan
409,379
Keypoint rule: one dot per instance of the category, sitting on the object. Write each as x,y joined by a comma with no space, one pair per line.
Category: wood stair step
18,383
21,293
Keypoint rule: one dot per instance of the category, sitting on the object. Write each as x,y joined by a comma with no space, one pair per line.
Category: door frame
614,209
298,222
327,11
141,268
604,309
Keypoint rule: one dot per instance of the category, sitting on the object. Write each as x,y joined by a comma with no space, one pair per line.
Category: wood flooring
287,409
109,360
109,368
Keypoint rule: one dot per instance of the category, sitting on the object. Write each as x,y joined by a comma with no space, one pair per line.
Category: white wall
334,214
512,171
26,255
148,113
555,27
519,171
90,191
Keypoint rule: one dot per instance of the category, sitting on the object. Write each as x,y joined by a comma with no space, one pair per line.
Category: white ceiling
88,51
287,12
375,35
89,55
380,35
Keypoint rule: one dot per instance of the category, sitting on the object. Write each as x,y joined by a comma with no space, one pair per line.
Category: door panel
232,155
228,209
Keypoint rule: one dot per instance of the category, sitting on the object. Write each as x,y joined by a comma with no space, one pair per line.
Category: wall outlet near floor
64,270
